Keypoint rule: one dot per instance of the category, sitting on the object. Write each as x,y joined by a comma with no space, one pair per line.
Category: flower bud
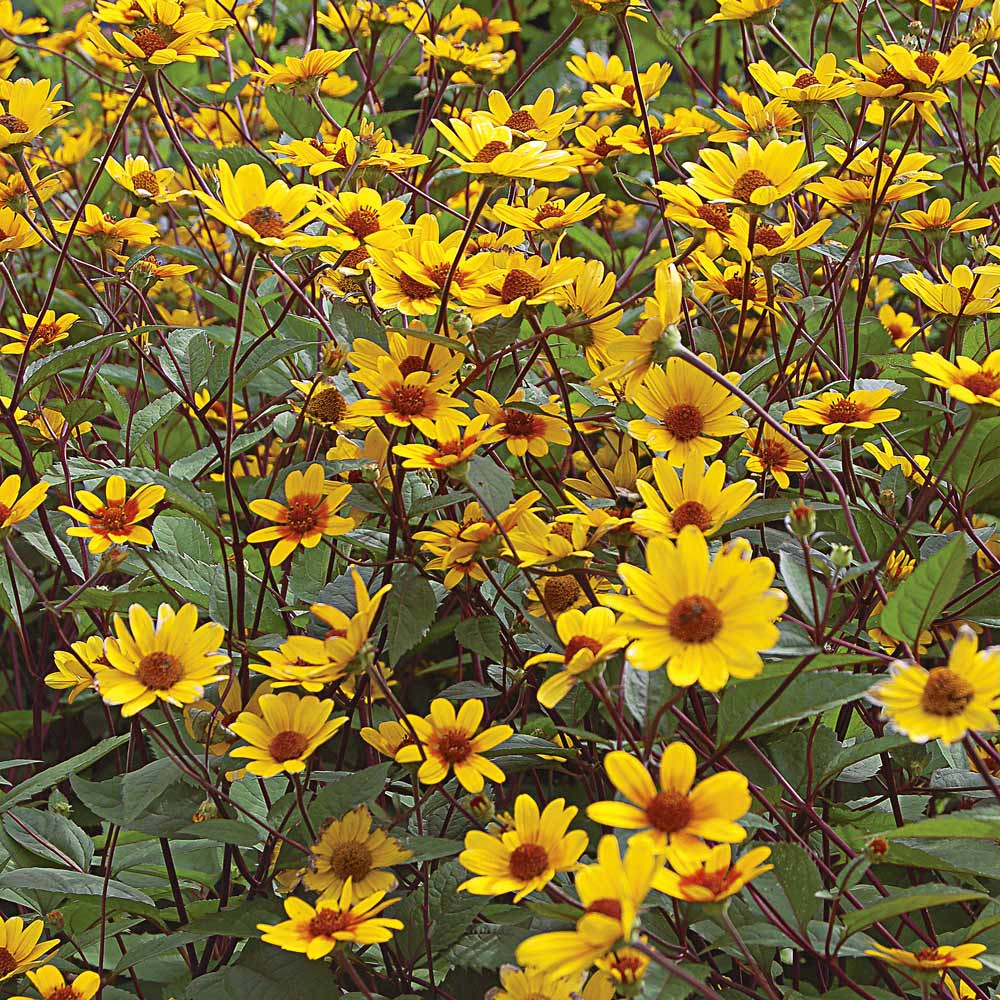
841,556
801,520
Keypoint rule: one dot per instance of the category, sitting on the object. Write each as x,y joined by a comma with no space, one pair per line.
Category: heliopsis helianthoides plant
533,468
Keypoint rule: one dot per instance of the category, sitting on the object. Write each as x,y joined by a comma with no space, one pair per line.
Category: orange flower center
414,289
691,512
159,671
453,745
146,181
747,183
528,861
560,593
4,512
113,517
669,812
287,745
303,513
772,454
946,694
805,80
517,423
927,63
767,236
609,907
13,124
327,405
409,400
684,421
928,955
889,77
694,619
63,993
519,284
844,411
439,274
491,151
327,922
548,212
150,40
717,216
579,642
265,221
351,860
983,383
7,962
521,121
413,363
362,222
716,882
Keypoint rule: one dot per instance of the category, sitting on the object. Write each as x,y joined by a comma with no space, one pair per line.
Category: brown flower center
145,181
946,694
13,124
767,236
453,745
889,77
63,993
772,454
414,289
113,517
519,284
149,40
548,212
302,514
528,861
409,400
715,881
327,405
521,121
609,907
351,860
928,955
628,93
805,80
843,411
517,423
5,512
669,812
560,593
694,619
265,221
362,222
747,183
691,512
7,962
579,642
413,363
927,63
684,421
983,383
717,216
159,671
327,922
491,151
287,745
356,257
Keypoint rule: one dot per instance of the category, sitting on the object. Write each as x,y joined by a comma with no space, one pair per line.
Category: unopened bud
481,806
111,560
207,810
877,848
370,472
55,920
801,520
58,803
887,500
841,556
978,248
333,358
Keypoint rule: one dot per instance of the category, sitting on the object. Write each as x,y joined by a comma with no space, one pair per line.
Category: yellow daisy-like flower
316,931
449,742
963,293
888,459
752,176
453,446
539,212
284,732
51,984
349,848
15,509
705,620
325,405
488,150
105,230
27,108
300,661
361,218
525,857
307,515
686,411
861,409
519,281
537,120
21,948
37,333
899,325
15,232
389,738
677,813
935,959
770,453
172,659
76,669
700,498
589,639
528,431
944,703
302,75
115,520
808,86
537,984
710,876
137,176
969,381
937,220
271,215
756,11
215,411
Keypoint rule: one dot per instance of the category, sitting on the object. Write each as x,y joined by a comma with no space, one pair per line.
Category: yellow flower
300,661
302,76
770,453
677,813
807,86
208,723
537,120
526,431
534,984
935,959
13,22
705,620
776,119
75,669
105,230
315,932
325,405
449,741
115,520
14,510
711,876
894,71
388,739
271,215
418,397
887,460
899,325
308,513
38,332
686,411
774,241
488,150
541,212
946,702
588,639
27,108
215,411
966,380
525,857
15,232
453,445
937,220
519,281
701,498
284,732
349,848
861,409
51,985
622,96
172,660
20,947
756,11
963,293
362,219
138,177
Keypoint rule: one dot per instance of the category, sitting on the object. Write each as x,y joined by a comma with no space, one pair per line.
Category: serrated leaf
482,636
67,883
39,372
799,878
295,116
410,608
491,483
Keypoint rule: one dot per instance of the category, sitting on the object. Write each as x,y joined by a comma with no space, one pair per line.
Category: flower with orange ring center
861,409
115,520
709,875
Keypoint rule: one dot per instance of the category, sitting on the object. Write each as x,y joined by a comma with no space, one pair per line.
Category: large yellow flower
38,332
710,876
860,409
27,108
528,431
75,669
21,948
417,397
966,380
963,293
677,813
704,619
51,984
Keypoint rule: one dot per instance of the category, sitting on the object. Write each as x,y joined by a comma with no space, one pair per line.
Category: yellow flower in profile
686,411
28,108
537,120
284,732
271,215
15,509
308,514
37,333
710,876
528,431
105,230
450,742
76,668
753,176
860,409
943,703
967,380
51,984
13,22
388,739
899,325
963,293
488,150
15,232
526,856
541,212
137,176
348,848
21,948
755,11
676,813
215,410
172,659
937,221
705,620
453,445
700,498
935,959
888,459
302,75
807,86
316,931
115,520
589,639
770,453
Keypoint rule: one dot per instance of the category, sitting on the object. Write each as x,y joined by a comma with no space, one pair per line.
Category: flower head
115,520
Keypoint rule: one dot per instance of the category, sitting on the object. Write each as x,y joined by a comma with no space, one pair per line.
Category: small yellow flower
114,521
37,333
14,509
770,453
51,984
935,959
710,876
21,948
969,381
860,409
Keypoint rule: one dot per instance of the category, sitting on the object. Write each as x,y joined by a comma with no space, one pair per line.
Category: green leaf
482,636
225,831
451,912
50,836
922,596
645,693
150,417
492,484
431,848
295,116
345,791
799,879
66,883
861,751
207,459
409,610
265,971
952,827
39,372
906,901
